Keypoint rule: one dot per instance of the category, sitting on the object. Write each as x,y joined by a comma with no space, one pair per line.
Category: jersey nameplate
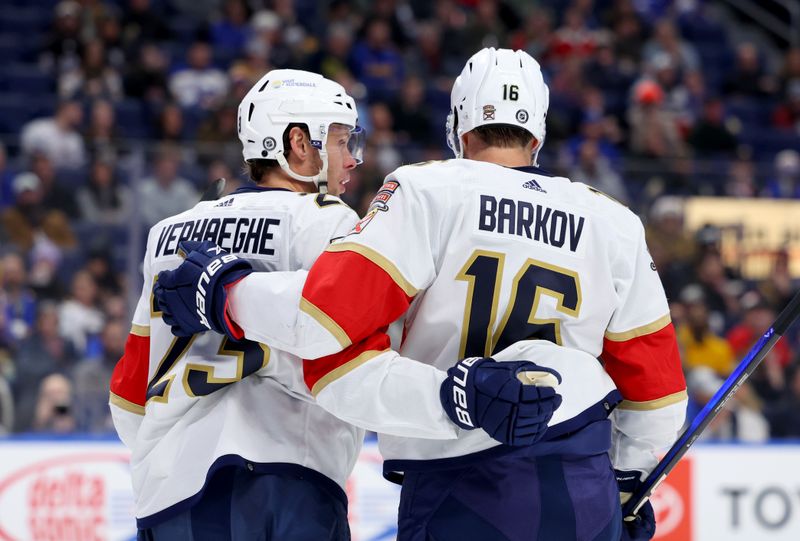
237,235
555,228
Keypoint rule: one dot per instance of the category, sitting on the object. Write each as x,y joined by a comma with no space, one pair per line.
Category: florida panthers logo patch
380,203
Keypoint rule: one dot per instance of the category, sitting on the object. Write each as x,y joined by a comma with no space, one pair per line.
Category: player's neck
287,183
508,157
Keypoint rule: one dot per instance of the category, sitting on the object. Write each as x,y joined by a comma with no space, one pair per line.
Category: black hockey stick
714,406
214,190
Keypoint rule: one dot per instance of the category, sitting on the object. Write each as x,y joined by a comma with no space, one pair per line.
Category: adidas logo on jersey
533,185
226,203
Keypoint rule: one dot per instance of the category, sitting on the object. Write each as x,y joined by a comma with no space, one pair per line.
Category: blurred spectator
376,63
573,38
170,125
741,177
787,114
99,266
720,289
700,346
91,379
790,70
102,132
485,27
666,40
332,58
741,418
629,39
749,77
28,223
104,200
199,84
665,229
536,34
595,170
17,301
147,77
165,193
56,196
54,412
412,119
267,30
57,137
141,25
710,135
230,31
62,51
218,136
779,287
786,183
43,353
80,320
93,78
383,143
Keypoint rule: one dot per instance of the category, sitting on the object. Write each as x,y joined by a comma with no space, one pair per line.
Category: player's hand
643,526
501,398
193,298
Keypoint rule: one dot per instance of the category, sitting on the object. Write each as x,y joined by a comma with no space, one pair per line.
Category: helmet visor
356,144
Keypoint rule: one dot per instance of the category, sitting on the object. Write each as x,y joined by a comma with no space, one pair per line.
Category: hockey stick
214,190
714,406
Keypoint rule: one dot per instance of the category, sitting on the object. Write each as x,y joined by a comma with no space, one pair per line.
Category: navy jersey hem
276,468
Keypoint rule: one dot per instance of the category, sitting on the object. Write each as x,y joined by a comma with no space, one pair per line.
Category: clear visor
356,144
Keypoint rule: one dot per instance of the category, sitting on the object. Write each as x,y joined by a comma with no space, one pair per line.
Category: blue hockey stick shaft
714,406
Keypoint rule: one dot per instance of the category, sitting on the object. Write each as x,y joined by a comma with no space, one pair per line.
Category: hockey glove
500,398
643,526
193,297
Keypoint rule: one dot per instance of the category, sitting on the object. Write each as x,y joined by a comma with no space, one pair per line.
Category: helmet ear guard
498,86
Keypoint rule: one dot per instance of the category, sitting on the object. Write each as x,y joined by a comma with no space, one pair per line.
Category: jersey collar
533,169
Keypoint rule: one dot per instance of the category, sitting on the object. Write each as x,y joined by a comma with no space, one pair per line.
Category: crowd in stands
116,113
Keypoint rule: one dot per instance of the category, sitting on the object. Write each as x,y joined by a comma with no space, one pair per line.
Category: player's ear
299,143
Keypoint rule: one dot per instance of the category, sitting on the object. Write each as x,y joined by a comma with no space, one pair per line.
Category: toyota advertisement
80,490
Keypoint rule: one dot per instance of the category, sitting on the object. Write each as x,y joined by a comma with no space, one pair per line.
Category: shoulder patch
380,203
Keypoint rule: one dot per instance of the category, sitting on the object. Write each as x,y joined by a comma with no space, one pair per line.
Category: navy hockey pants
545,498
240,505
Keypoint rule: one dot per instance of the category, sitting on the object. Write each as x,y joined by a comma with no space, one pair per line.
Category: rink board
75,489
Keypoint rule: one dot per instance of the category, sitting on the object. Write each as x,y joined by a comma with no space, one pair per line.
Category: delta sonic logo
380,203
292,82
68,498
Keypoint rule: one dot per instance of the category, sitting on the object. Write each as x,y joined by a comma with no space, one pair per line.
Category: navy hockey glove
643,526
495,396
193,297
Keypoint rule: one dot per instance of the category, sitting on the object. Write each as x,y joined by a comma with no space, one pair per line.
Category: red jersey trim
645,368
352,296
129,379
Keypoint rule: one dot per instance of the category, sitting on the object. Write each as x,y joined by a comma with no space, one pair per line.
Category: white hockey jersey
480,256
185,406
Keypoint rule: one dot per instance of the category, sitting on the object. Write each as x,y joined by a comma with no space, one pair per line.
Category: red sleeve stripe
645,368
658,403
352,296
657,325
378,260
129,379
320,372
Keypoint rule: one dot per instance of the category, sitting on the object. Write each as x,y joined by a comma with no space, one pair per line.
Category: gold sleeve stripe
124,404
650,328
379,260
323,319
140,330
340,371
658,403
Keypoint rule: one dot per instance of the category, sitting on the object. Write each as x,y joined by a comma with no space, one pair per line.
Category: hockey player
481,253
258,459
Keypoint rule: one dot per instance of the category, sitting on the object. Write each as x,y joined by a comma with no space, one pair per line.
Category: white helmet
286,96
498,86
